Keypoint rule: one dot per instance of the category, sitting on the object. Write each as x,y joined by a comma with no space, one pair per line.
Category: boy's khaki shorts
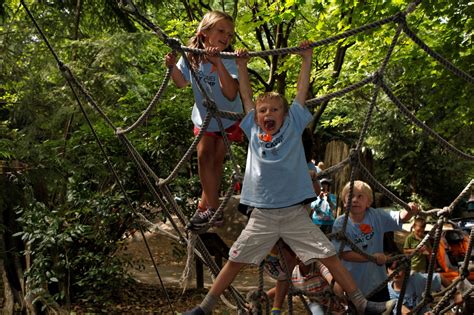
291,224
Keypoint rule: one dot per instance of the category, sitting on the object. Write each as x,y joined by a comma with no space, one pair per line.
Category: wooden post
217,248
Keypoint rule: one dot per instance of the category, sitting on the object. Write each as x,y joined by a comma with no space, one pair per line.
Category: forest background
63,216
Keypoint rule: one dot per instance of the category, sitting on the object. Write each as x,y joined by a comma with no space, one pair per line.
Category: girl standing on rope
278,186
219,78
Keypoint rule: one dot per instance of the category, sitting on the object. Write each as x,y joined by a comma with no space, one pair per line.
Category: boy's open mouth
269,124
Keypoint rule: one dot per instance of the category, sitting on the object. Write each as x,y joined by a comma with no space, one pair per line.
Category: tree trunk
337,151
11,299
7,300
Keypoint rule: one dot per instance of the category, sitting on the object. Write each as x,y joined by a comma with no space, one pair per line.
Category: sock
209,303
359,301
276,311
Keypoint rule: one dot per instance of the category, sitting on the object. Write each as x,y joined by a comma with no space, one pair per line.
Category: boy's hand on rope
306,52
380,258
414,208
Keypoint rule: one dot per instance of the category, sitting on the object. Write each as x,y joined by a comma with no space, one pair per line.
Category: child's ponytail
197,41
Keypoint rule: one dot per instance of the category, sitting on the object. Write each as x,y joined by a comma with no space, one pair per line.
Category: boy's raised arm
245,89
305,72
405,216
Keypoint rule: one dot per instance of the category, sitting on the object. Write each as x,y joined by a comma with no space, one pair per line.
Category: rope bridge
160,190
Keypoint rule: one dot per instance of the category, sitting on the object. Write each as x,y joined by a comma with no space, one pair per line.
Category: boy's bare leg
222,282
344,278
282,286
281,289
225,277
340,273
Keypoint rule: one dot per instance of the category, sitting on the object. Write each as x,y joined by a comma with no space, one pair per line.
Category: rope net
160,187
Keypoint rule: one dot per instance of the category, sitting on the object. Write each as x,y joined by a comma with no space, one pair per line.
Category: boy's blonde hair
208,21
264,97
362,187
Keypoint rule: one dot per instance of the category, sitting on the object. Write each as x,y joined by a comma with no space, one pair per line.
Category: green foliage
71,248
75,218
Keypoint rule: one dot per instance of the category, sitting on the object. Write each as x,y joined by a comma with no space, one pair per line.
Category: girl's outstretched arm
246,94
176,74
305,72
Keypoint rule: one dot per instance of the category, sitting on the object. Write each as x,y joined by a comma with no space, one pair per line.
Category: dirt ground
149,296
161,292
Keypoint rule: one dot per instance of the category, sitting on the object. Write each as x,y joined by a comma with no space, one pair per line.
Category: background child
366,227
315,278
219,78
324,208
276,152
419,261
414,290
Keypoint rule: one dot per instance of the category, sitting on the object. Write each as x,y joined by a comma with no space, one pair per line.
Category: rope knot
429,298
411,7
378,77
339,236
255,299
464,273
236,176
127,5
118,131
174,43
444,211
211,106
65,71
400,18
354,157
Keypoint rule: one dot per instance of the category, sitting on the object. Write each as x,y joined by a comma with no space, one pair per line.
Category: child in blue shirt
219,78
366,227
415,288
278,186
324,208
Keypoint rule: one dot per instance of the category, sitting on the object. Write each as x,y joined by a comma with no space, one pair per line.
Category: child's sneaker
273,267
195,311
384,308
201,218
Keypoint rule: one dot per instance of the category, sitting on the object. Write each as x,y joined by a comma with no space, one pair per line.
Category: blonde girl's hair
208,21
361,186
262,98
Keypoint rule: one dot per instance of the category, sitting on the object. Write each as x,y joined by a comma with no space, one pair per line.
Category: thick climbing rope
67,74
163,194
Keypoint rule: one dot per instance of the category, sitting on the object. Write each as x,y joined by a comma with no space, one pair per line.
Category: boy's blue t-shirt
415,290
210,81
368,236
276,172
